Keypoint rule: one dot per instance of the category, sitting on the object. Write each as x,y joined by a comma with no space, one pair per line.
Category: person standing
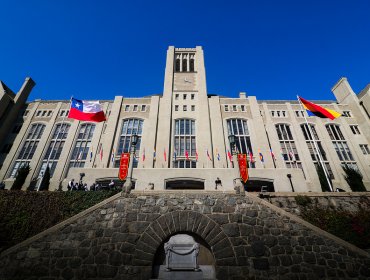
71,185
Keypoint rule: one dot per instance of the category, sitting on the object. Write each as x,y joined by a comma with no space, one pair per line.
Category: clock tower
184,104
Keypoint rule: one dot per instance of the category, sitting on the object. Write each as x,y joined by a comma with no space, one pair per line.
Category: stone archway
184,222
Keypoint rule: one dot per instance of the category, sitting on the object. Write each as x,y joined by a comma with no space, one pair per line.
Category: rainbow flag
318,111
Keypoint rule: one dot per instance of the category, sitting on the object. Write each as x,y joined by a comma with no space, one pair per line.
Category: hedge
24,214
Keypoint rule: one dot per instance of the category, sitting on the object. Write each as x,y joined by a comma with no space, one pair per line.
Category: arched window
192,65
55,147
82,146
29,147
311,147
129,127
184,65
177,67
288,147
185,144
239,128
340,145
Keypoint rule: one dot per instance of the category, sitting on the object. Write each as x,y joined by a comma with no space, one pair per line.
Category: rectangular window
176,97
176,107
55,148
288,147
38,113
135,108
272,113
312,147
346,114
29,147
365,149
185,144
192,96
82,146
143,108
184,108
193,107
226,108
127,108
242,108
25,113
355,129
184,96
235,108
44,113
283,112
340,145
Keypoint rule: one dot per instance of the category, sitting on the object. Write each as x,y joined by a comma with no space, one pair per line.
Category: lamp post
239,187
128,184
290,180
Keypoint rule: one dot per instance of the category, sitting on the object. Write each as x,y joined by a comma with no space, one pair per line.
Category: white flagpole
55,142
318,152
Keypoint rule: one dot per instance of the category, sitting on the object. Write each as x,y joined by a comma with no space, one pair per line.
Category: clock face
184,81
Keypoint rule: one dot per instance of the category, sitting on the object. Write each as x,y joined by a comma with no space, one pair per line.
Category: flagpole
55,142
268,140
316,147
101,144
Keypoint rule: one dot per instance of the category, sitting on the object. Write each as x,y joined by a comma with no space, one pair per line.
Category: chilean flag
86,111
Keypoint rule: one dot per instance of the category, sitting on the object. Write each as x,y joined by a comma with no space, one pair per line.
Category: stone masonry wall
249,239
350,201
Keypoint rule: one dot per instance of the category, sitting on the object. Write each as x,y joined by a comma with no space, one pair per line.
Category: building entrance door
185,184
256,184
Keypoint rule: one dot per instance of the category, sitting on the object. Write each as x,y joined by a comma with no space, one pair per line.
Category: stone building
183,136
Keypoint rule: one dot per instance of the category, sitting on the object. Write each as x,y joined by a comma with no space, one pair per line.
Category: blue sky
99,49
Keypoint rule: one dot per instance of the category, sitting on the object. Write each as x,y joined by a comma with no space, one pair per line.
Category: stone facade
249,239
185,97
350,202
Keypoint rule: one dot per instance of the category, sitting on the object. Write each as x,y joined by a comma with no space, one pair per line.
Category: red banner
123,166
242,160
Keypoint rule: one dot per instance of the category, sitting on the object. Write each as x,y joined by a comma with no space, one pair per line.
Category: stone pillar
165,112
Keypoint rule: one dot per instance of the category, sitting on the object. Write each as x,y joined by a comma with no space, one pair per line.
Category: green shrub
302,200
352,227
323,181
44,186
21,176
353,178
24,214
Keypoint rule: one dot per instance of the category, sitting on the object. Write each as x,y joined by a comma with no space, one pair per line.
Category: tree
323,181
44,186
353,178
21,176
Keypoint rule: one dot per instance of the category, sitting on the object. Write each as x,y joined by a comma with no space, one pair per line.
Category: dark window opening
191,65
185,184
177,68
256,185
184,65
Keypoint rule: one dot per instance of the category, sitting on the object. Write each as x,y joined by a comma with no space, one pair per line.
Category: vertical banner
242,160
123,166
